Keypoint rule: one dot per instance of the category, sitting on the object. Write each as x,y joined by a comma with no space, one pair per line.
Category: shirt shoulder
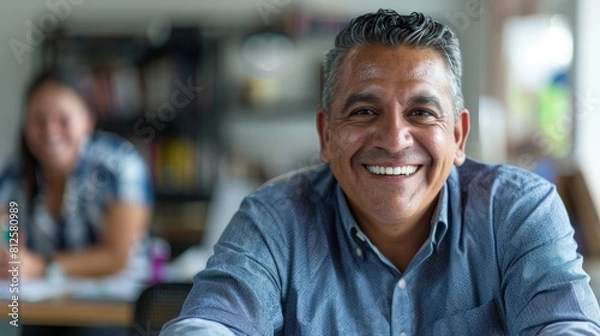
10,170
10,177
311,186
110,152
116,163
292,207
496,179
104,145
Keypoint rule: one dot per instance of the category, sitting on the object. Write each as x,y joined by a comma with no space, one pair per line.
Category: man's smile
407,170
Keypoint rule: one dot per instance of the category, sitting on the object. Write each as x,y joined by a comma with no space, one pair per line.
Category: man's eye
364,111
422,113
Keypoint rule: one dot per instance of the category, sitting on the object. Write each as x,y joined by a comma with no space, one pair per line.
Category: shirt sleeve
132,179
195,327
241,286
543,281
572,328
8,184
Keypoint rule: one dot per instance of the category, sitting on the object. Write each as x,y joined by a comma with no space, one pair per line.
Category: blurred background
249,71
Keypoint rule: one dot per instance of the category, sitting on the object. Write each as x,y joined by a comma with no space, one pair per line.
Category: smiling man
398,233
391,136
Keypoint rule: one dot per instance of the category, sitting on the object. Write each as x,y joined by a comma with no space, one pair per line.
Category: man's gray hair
392,29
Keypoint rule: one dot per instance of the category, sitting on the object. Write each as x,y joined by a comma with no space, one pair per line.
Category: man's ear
323,130
462,126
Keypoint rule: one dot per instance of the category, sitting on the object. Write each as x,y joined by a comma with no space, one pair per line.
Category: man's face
391,138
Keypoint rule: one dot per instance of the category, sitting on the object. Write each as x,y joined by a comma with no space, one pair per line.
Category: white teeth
403,170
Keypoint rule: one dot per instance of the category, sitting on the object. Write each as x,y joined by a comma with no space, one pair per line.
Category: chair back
158,304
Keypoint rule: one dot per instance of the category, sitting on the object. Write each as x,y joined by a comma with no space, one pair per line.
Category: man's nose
393,133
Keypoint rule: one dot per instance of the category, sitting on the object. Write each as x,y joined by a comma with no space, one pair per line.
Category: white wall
14,74
587,93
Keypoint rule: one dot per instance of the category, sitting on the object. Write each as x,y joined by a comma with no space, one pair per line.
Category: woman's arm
124,224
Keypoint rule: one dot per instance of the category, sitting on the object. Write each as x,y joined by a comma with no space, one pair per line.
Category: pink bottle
160,252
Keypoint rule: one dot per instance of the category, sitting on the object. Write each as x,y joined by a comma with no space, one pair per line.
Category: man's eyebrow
360,98
425,100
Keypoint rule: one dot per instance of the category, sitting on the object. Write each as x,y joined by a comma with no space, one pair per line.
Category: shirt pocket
482,320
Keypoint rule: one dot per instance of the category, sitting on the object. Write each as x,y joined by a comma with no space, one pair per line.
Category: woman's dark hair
79,81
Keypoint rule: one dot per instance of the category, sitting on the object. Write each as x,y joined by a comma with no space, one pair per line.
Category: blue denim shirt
500,259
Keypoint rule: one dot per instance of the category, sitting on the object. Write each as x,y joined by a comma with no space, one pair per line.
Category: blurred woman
84,197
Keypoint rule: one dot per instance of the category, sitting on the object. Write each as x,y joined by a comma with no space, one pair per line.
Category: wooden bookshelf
162,98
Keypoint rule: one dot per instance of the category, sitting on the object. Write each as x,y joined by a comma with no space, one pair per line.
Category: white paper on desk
30,290
111,288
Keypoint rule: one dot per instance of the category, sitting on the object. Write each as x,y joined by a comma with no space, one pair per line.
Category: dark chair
157,305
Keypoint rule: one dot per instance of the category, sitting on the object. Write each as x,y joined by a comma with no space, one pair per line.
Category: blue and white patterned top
500,259
109,170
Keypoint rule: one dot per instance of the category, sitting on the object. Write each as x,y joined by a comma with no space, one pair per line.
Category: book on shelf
125,91
179,166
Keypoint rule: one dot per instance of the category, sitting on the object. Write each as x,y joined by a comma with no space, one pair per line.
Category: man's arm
545,288
123,226
240,289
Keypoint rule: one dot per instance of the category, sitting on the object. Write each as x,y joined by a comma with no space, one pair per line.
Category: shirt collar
439,219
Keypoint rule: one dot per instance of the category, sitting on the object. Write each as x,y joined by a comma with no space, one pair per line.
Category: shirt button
358,252
402,285
403,334
360,236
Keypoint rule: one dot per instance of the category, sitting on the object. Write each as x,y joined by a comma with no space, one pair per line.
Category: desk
72,312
